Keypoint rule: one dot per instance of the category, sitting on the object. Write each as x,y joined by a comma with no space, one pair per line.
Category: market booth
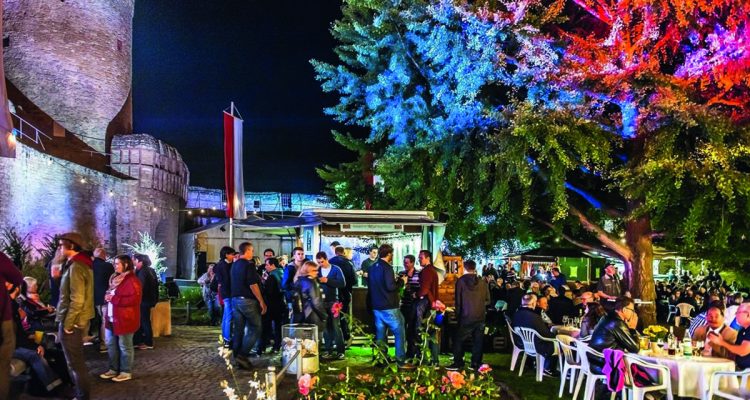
315,229
575,264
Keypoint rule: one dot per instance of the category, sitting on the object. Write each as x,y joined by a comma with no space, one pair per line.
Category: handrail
37,138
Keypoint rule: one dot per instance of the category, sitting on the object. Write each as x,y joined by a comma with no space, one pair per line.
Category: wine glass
565,320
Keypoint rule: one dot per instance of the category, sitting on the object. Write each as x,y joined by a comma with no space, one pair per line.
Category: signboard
371,228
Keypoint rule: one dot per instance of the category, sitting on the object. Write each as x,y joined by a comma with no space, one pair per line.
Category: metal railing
31,132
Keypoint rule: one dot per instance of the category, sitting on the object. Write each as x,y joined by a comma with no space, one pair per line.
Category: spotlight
190,212
153,209
111,193
83,180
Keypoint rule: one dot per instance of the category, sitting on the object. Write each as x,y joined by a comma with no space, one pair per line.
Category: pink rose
305,384
438,305
336,309
484,368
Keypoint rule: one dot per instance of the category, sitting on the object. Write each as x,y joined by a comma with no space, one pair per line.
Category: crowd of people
98,302
95,303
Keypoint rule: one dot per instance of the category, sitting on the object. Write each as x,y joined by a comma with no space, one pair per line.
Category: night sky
192,57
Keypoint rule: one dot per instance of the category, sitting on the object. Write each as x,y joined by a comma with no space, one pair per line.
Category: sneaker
253,354
551,374
144,347
339,356
108,375
103,350
454,367
124,376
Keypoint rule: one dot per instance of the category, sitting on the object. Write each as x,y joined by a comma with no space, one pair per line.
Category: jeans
333,332
120,350
145,334
72,345
8,337
39,365
248,325
226,321
476,331
395,322
214,309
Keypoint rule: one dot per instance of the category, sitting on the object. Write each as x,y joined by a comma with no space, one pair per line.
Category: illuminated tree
610,124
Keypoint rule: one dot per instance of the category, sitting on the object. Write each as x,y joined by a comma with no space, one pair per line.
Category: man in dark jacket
11,275
331,283
144,338
472,299
560,306
223,283
274,298
514,296
287,282
426,299
408,303
345,293
616,330
526,317
384,294
102,272
558,278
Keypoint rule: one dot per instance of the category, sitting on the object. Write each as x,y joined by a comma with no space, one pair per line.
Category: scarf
115,280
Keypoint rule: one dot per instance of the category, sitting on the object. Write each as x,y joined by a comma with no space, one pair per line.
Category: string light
153,209
111,193
190,212
203,211
135,202
83,180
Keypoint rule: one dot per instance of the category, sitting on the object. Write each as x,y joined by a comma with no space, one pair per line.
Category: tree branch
603,236
596,203
578,243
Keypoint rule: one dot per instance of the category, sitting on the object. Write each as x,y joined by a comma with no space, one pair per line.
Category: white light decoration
83,180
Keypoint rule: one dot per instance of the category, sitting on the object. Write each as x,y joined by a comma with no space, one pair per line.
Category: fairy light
83,180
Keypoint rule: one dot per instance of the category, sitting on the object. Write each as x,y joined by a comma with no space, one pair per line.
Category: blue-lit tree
529,120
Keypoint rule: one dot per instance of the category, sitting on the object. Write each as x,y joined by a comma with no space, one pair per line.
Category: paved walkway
184,366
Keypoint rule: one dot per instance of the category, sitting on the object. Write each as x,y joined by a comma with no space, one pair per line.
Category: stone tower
73,59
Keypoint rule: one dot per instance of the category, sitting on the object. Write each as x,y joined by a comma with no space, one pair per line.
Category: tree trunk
639,269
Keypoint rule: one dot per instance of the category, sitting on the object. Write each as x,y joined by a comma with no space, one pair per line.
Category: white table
566,330
691,376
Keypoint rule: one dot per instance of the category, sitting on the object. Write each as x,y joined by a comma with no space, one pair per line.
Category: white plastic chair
529,348
672,312
639,393
569,362
685,310
516,350
583,352
741,393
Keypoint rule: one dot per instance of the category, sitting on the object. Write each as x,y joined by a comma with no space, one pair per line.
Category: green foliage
148,246
16,247
424,382
48,247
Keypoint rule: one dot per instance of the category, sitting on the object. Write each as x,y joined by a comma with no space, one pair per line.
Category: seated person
542,306
32,353
740,348
616,330
526,317
594,313
560,305
715,326
39,316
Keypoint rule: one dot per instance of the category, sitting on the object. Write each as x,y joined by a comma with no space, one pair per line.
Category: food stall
315,229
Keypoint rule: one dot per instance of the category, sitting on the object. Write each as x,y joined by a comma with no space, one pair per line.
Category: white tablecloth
691,376
566,330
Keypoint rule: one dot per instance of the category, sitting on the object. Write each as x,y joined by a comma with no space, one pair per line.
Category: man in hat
609,287
75,309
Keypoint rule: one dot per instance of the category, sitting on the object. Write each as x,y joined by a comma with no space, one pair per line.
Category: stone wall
47,195
73,59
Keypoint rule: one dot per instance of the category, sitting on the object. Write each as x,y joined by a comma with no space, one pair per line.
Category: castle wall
43,195
73,59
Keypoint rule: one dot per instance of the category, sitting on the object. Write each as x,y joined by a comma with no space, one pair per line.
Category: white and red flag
233,177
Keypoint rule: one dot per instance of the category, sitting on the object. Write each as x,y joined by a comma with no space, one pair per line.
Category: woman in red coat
122,319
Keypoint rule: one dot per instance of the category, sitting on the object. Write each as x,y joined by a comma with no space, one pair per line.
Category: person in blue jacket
332,281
